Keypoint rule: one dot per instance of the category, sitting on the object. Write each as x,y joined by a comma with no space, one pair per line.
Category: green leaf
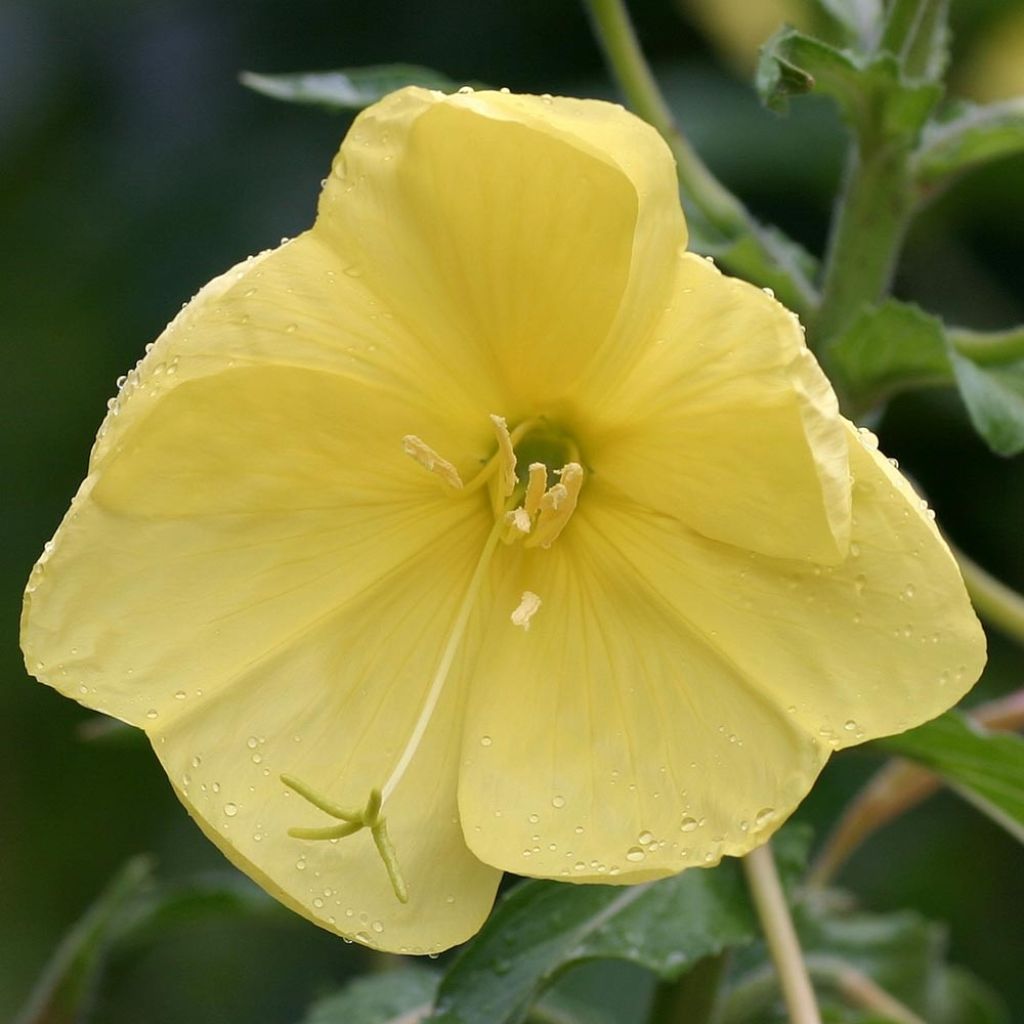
859,20
542,927
872,92
985,768
848,951
347,89
974,137
990,374
916,33
401,996
889,348
132,911
67,988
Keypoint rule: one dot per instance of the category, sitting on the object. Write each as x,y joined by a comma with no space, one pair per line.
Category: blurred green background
133,168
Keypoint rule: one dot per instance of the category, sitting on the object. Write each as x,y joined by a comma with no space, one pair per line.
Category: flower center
532,503
533,500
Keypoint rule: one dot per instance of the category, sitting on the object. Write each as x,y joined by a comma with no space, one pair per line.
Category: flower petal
610,741
241,508
700,686
732,409
515,233
334,710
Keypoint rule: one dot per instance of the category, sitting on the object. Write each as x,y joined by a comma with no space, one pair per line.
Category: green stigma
352,822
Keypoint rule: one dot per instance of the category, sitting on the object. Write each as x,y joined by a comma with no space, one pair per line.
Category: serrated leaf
348,88
994,395
985,768
889,348
401,996
67,987
541,928
872,93
974,137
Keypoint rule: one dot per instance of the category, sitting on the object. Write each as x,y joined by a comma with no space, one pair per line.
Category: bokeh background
133,167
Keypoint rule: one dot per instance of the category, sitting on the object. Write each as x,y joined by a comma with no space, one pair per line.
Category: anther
556,507
430,460
535,487
506,457
528,605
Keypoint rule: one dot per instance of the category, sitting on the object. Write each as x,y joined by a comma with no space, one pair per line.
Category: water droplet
534,819
764,816
230,809
317,902
645,838
688,824
485,741
252,743
908,592
257,758
300,865
849,725
152,713
354,271
558,801
635,853
180,695
378,926
465,90
196,761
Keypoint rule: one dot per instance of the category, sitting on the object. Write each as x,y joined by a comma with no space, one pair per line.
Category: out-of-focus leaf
541,928
860,20
401,996
872,92
916,33
991,380
849,952
131,912
972,138
985,768
67,987
889,348
347,89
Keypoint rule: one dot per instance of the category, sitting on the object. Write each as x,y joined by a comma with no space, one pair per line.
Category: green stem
716,205
994,601
988,348
780,935
870,223
897,787
755,993
693,997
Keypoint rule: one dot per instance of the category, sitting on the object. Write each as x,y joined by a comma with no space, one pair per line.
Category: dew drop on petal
230,809
558,801
635,853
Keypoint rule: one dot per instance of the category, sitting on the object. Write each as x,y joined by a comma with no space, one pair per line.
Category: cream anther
506,457
430,460
556,507
535,487
527,608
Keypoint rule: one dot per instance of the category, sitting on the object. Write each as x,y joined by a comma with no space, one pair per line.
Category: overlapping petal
730,405
701,686
532,236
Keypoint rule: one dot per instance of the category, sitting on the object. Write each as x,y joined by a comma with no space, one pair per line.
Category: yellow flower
481,528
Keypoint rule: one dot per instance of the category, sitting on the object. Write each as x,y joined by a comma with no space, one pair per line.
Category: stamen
430,460
528,605
535,487
517,525
557,507
506,456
